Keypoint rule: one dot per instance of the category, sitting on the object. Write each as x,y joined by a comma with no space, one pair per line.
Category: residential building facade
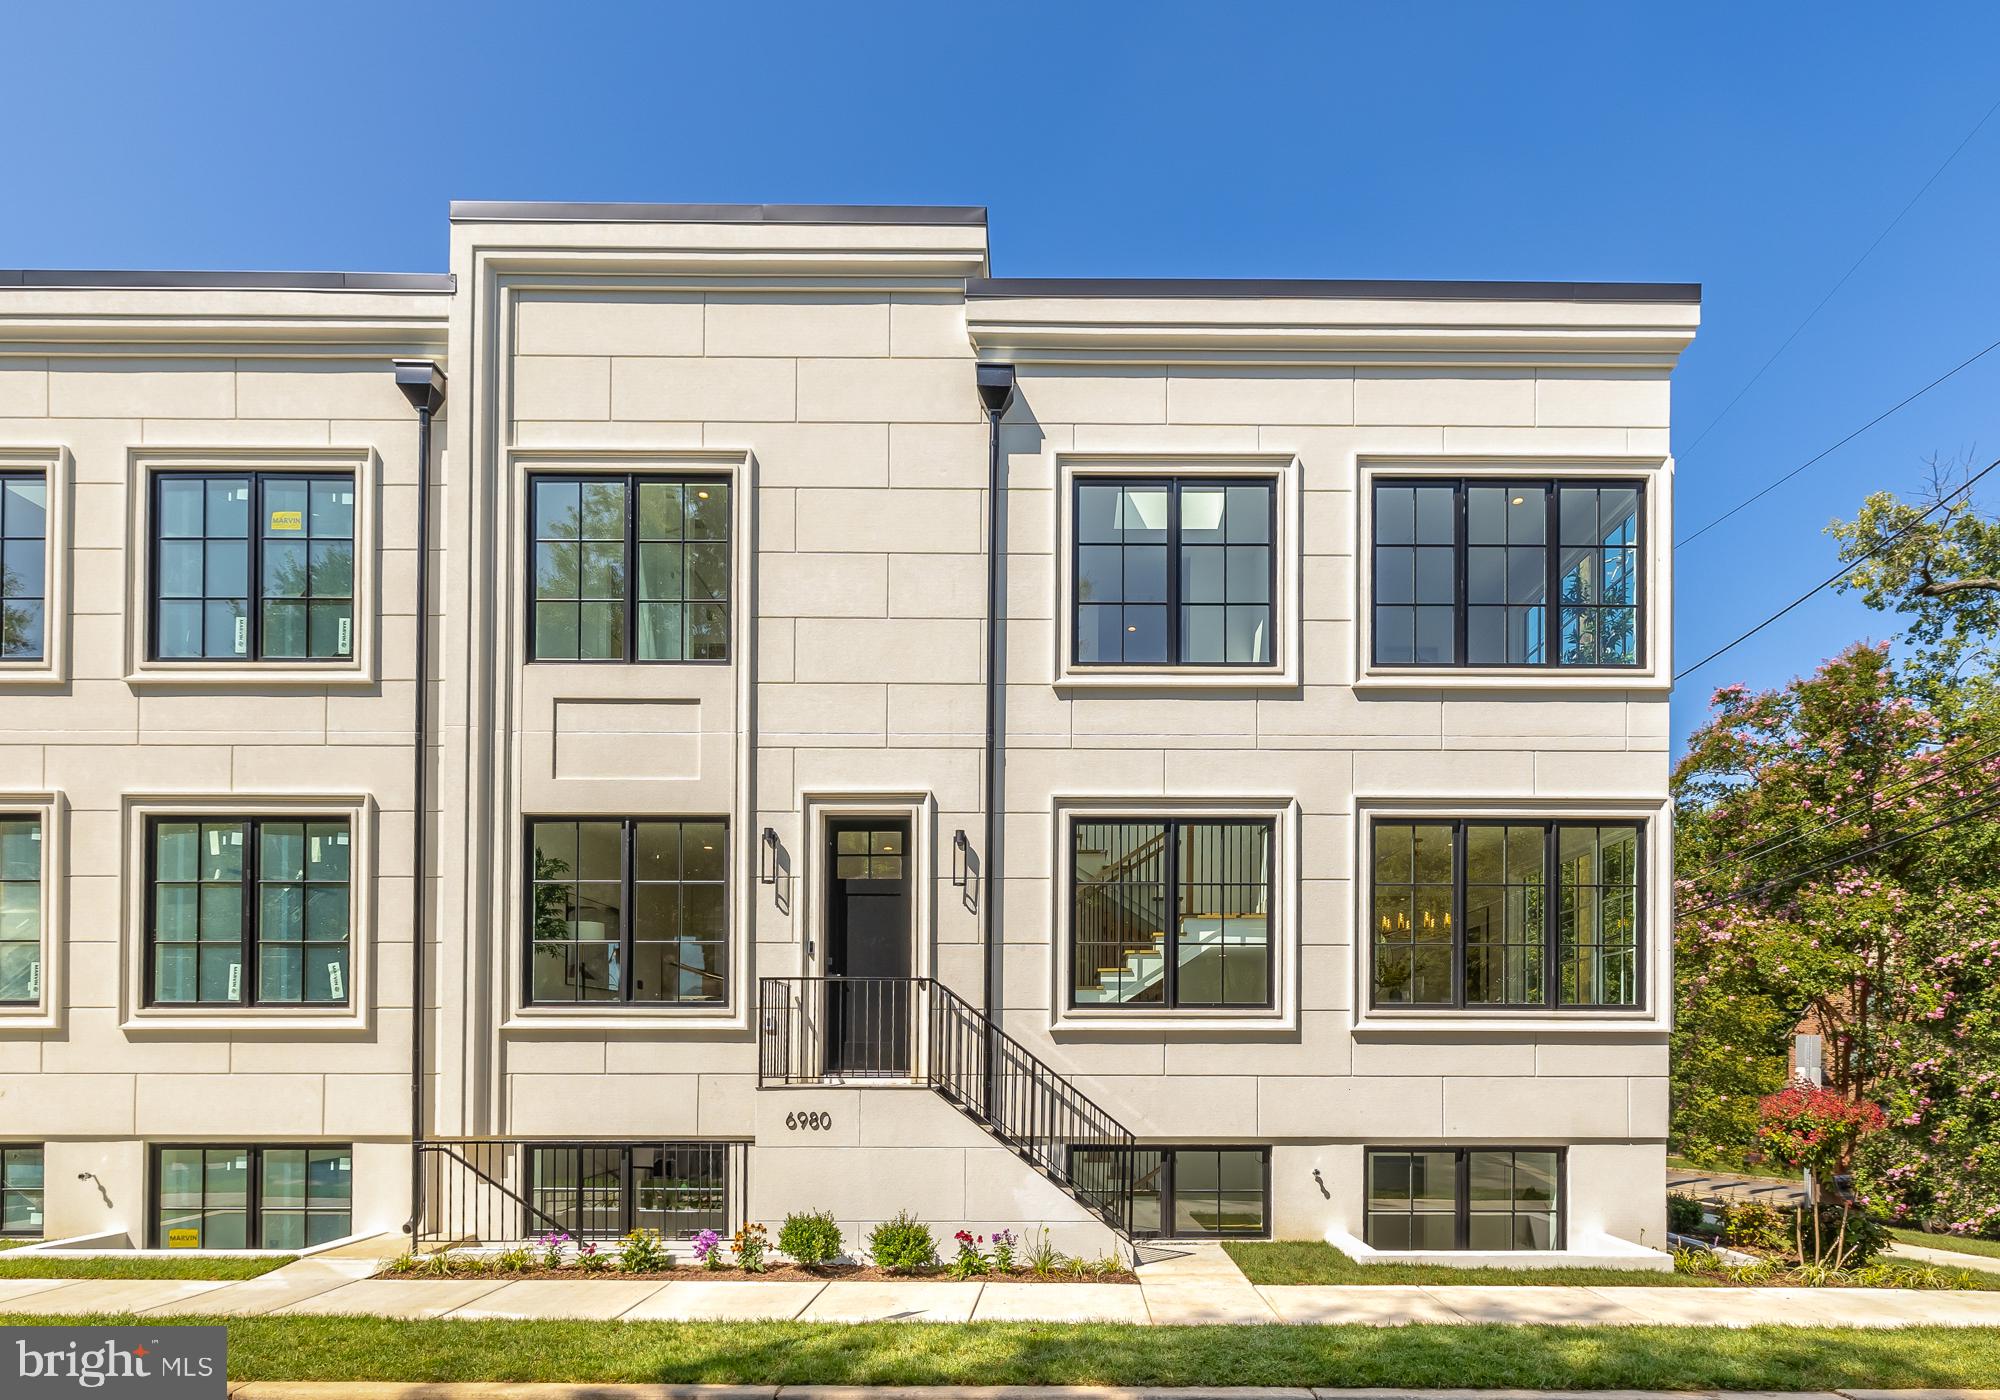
1250,819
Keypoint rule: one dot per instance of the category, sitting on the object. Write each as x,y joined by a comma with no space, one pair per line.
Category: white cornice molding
1318,332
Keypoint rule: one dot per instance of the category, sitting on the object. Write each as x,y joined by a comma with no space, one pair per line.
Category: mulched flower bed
777,1273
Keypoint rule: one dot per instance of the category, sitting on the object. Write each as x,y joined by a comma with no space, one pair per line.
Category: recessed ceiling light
1132,629
1518,500
703,495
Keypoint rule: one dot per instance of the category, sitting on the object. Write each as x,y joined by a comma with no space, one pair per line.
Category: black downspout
422,383
996,392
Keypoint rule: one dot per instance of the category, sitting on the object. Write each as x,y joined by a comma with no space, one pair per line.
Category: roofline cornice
559,212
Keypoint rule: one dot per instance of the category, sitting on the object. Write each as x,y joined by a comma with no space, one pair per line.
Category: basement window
1474,1198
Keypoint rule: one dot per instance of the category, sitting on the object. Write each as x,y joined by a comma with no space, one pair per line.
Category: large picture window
248,911
253,566
251,1197
1174,572
20,909
20,1189
1168,914
629,568
628,911
601,1191
1461,916
24,568
1431,1198
1490,572
1184,1192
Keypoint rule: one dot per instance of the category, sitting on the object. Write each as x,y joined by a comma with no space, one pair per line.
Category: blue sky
1757,149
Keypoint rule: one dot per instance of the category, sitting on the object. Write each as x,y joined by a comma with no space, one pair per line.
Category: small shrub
903,1245
552,1248
971,1261
1003,1252
708,1249
515,1260
1105,1265
1043,1258
1700,1262
1755,1225
406,1263
750,1243
443,1265
590,1260
811,1238
643,1252
1849,1238
1685,1215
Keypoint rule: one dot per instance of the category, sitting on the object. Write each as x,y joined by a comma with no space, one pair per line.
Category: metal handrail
817,1030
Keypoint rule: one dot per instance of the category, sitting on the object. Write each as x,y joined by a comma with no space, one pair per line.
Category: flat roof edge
515,211
58,279
1194,288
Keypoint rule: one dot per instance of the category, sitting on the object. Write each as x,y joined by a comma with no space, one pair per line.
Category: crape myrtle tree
1787,916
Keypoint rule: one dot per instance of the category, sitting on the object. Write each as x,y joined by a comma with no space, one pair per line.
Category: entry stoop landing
866,1153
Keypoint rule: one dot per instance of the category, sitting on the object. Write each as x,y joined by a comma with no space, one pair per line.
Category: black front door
868,947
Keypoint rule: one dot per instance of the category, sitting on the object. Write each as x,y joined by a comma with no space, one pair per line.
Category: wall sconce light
767,865
959,863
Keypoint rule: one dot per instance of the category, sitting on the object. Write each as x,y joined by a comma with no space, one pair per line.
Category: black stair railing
819,1030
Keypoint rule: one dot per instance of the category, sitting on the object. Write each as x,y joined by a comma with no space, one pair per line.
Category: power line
1886,413
1982,753
1891,228
1845,859
1836,578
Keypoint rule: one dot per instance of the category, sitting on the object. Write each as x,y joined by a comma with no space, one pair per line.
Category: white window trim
1653,1016
1657,565
47,1013
360,812
1283,1014
360,670
648,798
1287,609
58,470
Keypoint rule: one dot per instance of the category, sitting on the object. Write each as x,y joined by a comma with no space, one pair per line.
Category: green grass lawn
1313,1261
899,1353
1957,1244
105,1266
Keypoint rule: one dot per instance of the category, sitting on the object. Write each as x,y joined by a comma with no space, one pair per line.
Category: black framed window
251,1197
598,1191
248,911
1171,914
24,567
20,909
1470,1198
21,1189
1174,572
253,566
1185,1192
1493,572
1461,918
629,568
632,910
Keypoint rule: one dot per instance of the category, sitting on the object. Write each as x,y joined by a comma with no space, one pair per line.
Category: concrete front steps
903,1147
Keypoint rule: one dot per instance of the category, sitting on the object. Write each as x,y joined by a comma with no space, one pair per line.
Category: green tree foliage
1786,914
1935,563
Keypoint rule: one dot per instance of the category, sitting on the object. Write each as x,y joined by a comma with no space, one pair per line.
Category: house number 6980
815,1122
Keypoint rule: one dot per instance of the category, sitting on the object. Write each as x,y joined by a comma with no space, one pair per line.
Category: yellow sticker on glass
288,520
181,1237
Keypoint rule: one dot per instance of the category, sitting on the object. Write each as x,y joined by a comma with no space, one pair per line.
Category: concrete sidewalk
1198,1285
